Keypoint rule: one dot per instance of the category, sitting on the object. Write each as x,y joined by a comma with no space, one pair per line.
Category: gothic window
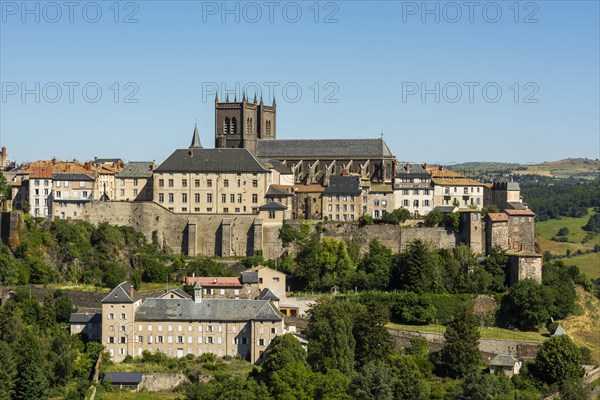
268,128
233,130
249,126
227,126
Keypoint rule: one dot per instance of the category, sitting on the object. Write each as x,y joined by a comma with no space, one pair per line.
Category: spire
235,98
216,98
254,97
261,100
244,97
227,98
274,103
196,139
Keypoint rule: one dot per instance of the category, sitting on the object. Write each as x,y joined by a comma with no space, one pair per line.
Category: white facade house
413,190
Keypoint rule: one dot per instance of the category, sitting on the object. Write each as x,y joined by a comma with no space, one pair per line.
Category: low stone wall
163,382
489,347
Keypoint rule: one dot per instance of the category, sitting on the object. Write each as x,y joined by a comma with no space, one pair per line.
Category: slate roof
125,378
414,171
121,294
559,331
196,139
516,205
107,160
266,294
504,360
343,185
279,167
275,191
211,160
136,169
214,281
249,277
273,205
175,292
206,310
85,318
323,148
77,176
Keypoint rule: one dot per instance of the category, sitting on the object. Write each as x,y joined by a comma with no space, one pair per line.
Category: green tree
408,381
564,231
284,349
373,382
574,390
419,347
331,344
558,360
48,313
495,263
398,216
373,340
528,304
434,218
228,388
31,378
557,279
378,264
293,381
8,371
461,354
479,386
419,267
64,306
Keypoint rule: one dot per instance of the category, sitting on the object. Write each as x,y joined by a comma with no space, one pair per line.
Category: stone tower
242,124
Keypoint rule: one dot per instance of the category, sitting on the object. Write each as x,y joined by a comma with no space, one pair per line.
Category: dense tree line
561,199
39,359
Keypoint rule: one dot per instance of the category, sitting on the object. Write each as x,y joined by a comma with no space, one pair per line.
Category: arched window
226,126
268,128
233,126
249,126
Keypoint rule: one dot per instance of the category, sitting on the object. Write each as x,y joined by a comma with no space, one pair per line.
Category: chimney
4,154
131,291
153,165
197,293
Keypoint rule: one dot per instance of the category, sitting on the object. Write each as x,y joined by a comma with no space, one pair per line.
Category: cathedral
252,125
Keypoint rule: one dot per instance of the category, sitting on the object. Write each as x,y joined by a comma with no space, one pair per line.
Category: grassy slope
588,263
486,332
585,329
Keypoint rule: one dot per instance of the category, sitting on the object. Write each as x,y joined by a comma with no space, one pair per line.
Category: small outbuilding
506,364
124,380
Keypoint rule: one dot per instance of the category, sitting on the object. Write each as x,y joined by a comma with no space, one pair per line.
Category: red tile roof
309,188
214,281
497,217
527,213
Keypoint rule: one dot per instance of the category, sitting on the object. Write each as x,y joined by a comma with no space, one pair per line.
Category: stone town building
521,230
505,364
378,200
507,195
241,125
40,191
413,190
307,202
524,265
496,231
71,192
105,170
177,324
134,182
89,324
210,181
342,199
220,287
4,161
261,277
452,188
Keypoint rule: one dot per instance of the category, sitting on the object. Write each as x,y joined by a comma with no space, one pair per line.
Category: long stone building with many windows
177,324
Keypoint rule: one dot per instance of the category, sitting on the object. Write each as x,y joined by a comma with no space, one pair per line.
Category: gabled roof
275,191
211,160
125,378
343,185
176,293
504,360
559,331
266,294
497,217
122,294
214,281
411,171
443,172
279,167
206,310
136,169
273,205
519,213
85,318
323,148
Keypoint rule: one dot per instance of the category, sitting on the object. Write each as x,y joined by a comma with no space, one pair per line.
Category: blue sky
386,67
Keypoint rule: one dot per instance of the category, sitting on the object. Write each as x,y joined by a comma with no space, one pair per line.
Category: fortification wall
193,234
